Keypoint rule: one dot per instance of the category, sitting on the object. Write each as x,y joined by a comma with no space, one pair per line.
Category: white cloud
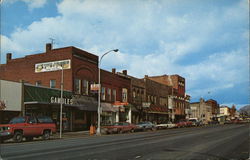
32,4
153,37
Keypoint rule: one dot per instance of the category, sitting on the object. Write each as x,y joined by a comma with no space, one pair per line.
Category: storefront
109,113
157,114
78,112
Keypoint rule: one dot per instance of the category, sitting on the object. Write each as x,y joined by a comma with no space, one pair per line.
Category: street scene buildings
32,85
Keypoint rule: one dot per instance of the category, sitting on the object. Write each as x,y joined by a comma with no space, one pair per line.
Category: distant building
202,111
215,108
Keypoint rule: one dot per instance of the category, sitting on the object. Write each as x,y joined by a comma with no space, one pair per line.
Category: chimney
48,47
124,72
8,57
113,70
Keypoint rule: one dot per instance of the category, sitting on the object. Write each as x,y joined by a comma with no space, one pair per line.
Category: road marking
137,157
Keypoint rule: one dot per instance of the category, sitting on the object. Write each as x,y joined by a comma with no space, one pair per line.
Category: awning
108,107
83,107
158,110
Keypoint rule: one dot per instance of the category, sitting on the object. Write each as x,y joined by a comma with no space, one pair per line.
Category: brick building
80,71
137,97
215,108
157,95
115,97
178,99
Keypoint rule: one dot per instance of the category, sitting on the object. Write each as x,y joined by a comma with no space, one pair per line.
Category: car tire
29,138
18,137
46,135
132,130
1,140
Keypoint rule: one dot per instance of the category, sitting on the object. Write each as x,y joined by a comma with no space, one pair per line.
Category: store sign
52,66
58,100
94,87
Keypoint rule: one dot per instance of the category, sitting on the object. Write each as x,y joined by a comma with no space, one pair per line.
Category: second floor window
103,94
52,83
77,86
114,95
109,94
38,83
85,87
124,95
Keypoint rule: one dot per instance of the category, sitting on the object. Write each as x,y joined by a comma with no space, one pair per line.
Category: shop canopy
49,96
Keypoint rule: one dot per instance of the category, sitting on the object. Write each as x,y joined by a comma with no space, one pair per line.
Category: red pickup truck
28,127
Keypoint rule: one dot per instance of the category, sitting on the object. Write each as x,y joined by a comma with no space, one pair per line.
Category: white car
166,125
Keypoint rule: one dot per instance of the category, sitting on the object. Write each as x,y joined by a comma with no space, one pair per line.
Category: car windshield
44,119
142,123
192,120
117,124
17,120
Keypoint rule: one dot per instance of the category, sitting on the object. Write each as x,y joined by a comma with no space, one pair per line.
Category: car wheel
1,140
153,129
46,135
18,137
132,130
29,138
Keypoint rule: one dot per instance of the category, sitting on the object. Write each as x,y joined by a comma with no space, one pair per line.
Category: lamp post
98,131
61,103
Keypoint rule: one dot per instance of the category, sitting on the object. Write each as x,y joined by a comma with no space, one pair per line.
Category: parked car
28,127
119,127
166,125
184,123
195,122
143,126
228,122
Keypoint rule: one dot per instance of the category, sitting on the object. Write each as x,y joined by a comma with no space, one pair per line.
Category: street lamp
98,131
61,102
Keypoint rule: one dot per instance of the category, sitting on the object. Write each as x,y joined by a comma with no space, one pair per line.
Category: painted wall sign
52,66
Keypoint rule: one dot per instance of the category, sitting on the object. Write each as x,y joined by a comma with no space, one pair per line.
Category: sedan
166,125
143,126
119,127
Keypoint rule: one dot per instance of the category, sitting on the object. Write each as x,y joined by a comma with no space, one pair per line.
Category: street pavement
218,142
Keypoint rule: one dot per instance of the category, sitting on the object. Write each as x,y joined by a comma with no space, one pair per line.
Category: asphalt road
211,143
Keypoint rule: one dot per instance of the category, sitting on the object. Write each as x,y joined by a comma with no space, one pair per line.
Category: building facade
178,99
202,111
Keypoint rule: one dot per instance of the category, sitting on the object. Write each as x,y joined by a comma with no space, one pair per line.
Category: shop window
103,94
77,86
38,83
52,83
109,94
124,95
85,87
114,95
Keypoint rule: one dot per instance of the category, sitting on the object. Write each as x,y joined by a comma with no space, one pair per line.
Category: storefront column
129,115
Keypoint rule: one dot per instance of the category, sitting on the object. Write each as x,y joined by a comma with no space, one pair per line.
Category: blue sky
205,41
